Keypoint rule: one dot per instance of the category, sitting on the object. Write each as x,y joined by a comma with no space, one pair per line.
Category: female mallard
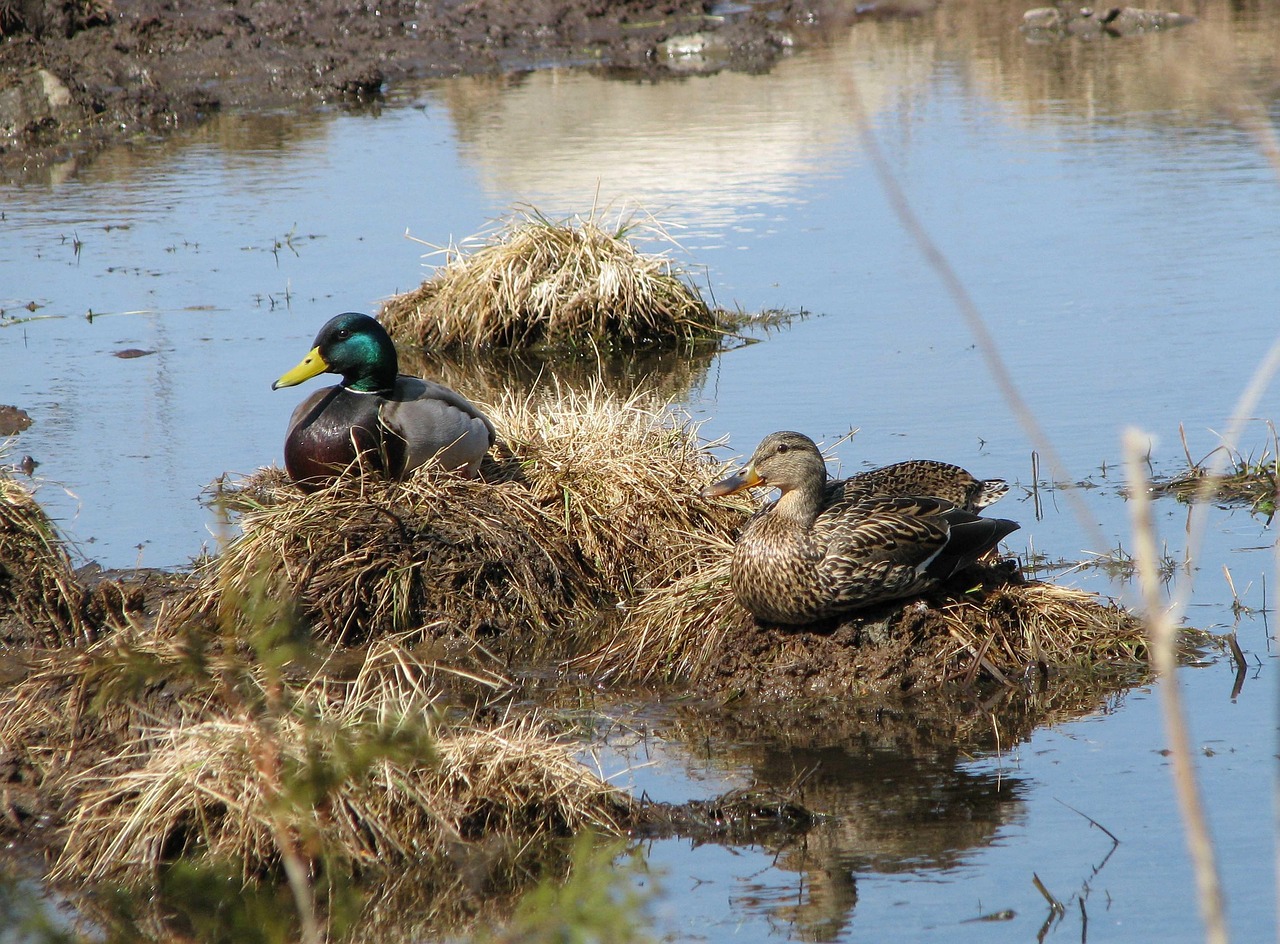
391,422
825,548
926,477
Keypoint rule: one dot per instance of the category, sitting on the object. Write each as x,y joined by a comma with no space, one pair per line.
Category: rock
1062,20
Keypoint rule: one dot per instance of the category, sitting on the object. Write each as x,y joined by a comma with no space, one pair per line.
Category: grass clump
40,597
991,632
1246,481
589,496
675,631
535,283
205,787
622,475
250,750
1228,476
367,558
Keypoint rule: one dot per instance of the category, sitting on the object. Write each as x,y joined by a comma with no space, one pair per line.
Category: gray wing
436,421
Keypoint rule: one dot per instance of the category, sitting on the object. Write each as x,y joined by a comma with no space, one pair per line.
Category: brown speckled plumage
824,548
925,477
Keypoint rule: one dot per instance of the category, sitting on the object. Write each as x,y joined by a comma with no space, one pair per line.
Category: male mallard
392,422
826,548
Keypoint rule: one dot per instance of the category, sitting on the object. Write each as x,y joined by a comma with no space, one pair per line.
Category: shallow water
1117,232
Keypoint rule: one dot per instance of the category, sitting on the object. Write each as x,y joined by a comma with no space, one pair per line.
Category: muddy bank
77,75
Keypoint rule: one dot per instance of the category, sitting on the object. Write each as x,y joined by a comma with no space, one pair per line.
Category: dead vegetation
623,475
161,748
535,283
202,788
366,558
1247,481
994,631
1228,476
40,597
590,496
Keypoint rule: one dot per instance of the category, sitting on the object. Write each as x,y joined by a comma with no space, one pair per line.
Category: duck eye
783,447
344,334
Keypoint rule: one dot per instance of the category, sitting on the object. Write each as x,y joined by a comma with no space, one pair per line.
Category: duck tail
971,538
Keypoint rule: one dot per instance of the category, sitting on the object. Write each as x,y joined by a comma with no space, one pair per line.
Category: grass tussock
590,496
676,630
692,631
366,768
622,475
1012,629
40,598
367,558
202,787
535,283
1229,476
1246,481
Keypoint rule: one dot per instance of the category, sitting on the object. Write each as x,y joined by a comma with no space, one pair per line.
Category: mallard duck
822,548
927,477
392,422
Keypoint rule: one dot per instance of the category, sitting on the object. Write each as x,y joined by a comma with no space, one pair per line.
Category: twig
1162,629
1092,822
1035,485
1057,907
969,311
1238,655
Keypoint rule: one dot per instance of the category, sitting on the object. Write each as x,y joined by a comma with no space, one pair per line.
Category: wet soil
78,74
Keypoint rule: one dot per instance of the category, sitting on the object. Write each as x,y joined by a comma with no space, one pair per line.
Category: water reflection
910,789
705,145
1177,77
697,148
488,378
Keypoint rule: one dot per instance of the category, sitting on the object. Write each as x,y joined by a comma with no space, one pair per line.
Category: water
1117,233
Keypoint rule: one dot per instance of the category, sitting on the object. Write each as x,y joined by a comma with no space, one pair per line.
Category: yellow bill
310,365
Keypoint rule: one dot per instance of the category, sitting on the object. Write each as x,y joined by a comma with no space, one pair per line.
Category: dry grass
244,788
676,630
1247,481
590,496
622,475
1227,475
536,283
39,593
1008,631
692,631
368,558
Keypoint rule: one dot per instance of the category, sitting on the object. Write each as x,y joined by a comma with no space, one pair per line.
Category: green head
353,345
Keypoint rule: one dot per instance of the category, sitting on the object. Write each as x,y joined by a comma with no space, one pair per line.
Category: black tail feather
971,537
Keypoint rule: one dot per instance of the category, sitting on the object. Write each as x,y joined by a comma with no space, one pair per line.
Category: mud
76,75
